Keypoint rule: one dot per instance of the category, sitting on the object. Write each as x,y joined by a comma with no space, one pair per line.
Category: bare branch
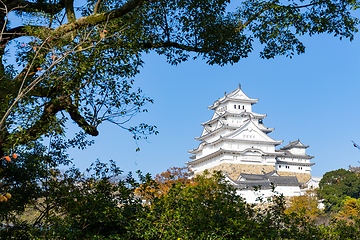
97,6
70,13
5,9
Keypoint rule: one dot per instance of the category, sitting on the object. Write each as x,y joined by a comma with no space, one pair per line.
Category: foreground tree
350,209
91,205
163,182
73,205
336,185
80,61
305,205
209,208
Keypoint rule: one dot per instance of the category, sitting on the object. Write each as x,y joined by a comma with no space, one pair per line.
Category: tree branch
150,45
80,120
97,6
73,22
33,6
99,17
20,32
308,5
70,13
43,124
255,16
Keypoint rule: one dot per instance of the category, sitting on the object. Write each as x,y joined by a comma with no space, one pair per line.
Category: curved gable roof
251,127
236,95
294,144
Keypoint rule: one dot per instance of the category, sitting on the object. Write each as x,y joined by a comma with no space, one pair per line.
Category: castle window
243,107
239,107
235,106
279,166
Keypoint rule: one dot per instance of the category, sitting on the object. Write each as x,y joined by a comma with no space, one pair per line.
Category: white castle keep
236,142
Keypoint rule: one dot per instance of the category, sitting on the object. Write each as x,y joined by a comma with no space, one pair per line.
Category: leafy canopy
78,63
336,185
305,205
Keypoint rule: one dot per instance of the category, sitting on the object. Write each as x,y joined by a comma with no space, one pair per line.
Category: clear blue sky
313,97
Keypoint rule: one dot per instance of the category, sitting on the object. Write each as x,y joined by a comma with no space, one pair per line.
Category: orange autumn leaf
163,182
7,158
14,155
39,69
8,195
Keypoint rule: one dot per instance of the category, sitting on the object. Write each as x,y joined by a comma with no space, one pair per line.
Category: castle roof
296,163
250,127
237,95
294,144
223,151
265,129
218,116
264,181
288,154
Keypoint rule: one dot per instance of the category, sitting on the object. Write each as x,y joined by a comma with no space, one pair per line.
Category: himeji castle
236,142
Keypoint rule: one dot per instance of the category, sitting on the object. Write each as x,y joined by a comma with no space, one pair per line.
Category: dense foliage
350,209
305,205
336,185
103,204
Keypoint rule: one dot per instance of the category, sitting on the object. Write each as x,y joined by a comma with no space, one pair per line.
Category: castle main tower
236,141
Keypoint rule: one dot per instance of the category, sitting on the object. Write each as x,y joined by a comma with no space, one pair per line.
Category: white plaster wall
313,183
243,107
288,191
297,151
252,196
236,122
292,168
208,149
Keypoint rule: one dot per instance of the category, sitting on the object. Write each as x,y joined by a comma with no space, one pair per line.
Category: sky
313,97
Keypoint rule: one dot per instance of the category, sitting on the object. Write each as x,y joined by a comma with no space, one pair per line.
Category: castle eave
201,138
226,99
295,163
223,139
287,154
